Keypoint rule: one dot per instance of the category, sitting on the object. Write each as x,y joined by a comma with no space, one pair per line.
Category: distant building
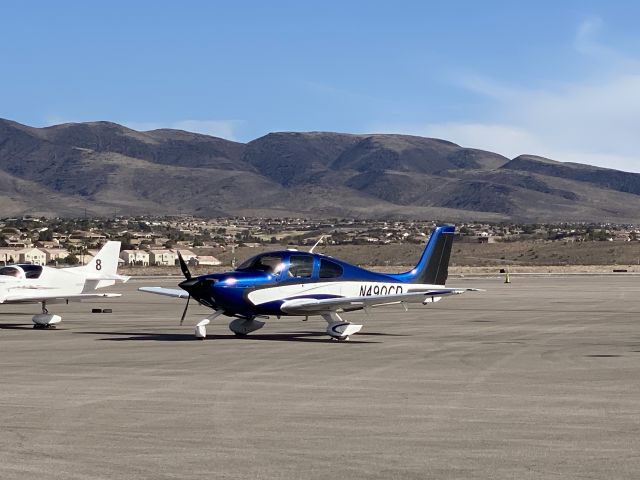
55,254
41,244
33,256
205,260
188,255
81,235
135,257
162,258
85,258
9,255
13,242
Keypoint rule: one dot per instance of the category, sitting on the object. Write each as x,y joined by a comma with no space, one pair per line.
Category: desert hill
105,167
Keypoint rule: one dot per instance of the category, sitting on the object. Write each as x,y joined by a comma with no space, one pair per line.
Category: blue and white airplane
295,283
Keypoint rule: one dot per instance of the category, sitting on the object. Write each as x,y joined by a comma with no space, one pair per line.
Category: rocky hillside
104,167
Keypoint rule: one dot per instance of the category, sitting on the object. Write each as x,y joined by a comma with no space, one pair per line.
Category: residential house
205,260
187,255
34,256
45,244
162,257
87,236
17,242
55,255
135,257
9,255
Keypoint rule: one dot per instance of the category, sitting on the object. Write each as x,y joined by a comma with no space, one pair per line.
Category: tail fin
101,271
433,267
106,260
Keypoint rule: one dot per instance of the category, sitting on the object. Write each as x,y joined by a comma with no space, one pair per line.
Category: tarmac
536,379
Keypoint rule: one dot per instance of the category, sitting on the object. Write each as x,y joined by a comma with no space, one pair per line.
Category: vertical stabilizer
104,264
433,267
106,260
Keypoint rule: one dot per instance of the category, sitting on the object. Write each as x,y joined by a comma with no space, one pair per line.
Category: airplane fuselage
51,282
248,292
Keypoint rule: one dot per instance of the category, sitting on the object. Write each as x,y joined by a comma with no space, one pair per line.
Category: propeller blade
184,313
184,267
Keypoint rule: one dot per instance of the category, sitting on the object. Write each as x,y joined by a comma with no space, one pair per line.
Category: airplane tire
96,310
107,310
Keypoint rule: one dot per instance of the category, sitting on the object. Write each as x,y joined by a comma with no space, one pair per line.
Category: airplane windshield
12,271
21,271
268,263
32,271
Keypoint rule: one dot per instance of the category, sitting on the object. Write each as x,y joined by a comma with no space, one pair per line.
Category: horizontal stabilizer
115,276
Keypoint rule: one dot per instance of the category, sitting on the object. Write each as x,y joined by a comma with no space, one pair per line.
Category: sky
556,79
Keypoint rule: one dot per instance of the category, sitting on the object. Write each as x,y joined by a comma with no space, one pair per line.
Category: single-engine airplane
295,283
26,283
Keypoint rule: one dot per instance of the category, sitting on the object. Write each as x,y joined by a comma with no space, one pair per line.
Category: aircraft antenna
317,243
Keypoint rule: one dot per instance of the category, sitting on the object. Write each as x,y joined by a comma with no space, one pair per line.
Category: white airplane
26,283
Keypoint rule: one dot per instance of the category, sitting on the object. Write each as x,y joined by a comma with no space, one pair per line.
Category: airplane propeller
187,274
190,284
184,267
184,312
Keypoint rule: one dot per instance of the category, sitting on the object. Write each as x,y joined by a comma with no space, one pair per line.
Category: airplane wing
313,306
167,292
24,297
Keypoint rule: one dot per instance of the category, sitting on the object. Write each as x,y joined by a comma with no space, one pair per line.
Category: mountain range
102,168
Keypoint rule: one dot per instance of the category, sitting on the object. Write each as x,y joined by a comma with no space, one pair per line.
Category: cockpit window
22,271
300,266
265,263
247,263
329,269
12,271
32,271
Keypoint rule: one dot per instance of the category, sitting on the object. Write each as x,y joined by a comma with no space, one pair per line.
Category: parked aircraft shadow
16,326
380,334
318,337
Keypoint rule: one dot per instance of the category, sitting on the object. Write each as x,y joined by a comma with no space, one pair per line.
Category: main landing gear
338,329
244,326
45,320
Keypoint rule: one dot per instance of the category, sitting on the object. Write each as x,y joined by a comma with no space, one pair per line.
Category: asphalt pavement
535,379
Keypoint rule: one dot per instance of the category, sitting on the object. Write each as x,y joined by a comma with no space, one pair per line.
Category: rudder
433,267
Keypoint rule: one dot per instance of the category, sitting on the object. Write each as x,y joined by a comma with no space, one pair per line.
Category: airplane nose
199,289
189,284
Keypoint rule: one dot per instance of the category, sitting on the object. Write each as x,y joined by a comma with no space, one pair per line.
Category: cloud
585,42
592,120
